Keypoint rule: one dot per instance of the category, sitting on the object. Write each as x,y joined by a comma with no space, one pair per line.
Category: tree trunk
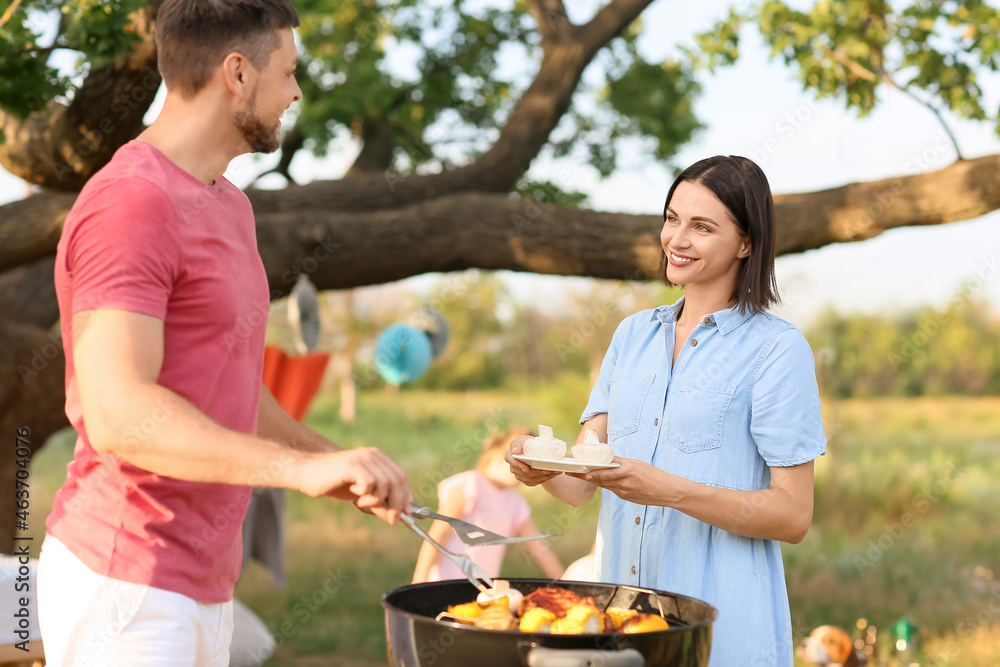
31,395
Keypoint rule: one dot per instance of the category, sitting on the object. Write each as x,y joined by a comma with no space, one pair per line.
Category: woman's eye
671,220
703,228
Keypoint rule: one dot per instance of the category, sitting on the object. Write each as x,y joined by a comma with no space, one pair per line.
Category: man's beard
262,139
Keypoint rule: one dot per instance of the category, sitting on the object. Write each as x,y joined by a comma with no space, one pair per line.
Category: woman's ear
745,247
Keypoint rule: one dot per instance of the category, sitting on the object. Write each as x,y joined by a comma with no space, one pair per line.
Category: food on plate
550,609
545,446
644,623
592,450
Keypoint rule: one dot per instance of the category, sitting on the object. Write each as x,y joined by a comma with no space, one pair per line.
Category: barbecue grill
416,639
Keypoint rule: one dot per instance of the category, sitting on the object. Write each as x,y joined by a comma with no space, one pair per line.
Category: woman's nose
679,238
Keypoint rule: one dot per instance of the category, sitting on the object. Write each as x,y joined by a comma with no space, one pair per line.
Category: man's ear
236,73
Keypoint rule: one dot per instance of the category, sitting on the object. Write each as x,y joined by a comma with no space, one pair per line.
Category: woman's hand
524,473
635,481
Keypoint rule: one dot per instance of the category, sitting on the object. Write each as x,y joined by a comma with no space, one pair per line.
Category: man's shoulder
131,175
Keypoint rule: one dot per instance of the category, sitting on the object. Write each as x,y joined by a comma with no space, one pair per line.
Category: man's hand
521,470
366,476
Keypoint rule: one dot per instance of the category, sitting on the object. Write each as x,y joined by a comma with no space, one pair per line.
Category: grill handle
550,657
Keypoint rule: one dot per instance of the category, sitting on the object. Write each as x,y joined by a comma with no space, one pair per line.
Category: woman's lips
680,260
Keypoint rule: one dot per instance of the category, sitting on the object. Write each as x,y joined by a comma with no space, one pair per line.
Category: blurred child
485,497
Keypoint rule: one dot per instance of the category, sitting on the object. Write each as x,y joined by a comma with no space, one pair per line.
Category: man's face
275,90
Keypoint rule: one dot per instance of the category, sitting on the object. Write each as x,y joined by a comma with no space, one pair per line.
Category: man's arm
273,423
117,356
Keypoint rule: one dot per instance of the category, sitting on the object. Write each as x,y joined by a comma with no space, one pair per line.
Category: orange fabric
293,381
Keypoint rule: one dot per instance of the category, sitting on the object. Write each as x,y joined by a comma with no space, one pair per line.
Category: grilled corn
644,623
619,615
580,619
537,620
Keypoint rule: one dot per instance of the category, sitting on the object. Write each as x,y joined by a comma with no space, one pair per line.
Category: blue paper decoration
402,354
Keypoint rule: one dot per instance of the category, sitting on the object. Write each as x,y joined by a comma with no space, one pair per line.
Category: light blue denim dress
742,399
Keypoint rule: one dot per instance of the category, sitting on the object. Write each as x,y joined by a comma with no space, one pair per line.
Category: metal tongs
471,571
471,534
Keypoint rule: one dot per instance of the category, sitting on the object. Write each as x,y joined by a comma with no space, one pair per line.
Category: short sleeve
785,418
122,252
598,403
464,482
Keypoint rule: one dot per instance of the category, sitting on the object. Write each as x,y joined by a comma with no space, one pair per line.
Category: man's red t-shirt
148,237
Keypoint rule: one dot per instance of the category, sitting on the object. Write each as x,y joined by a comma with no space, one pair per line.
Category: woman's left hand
635,481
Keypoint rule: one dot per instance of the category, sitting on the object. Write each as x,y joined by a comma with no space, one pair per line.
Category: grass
905,522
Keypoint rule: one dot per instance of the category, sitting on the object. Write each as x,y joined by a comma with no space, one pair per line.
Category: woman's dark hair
742,188
194,36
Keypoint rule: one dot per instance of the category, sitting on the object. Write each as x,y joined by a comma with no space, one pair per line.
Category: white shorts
89,620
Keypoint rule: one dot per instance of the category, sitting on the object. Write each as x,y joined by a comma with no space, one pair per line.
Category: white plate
568,464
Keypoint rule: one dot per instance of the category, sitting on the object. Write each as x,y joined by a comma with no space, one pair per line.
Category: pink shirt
502,511
147,237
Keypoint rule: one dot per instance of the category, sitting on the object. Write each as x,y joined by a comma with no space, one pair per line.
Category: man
163,300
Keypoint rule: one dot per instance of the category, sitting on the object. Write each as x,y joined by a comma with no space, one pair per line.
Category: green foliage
639,99
441,102
932,352
27,82
852,49
547,192
427,75
100,30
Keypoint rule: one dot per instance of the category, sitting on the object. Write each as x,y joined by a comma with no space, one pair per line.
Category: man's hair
194,36
742,188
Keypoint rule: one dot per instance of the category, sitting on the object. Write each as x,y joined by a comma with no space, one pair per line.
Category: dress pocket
695,414
628,393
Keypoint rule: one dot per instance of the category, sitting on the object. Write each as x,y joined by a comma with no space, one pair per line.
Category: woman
712,407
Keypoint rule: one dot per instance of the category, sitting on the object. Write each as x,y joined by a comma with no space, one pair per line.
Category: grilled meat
556,600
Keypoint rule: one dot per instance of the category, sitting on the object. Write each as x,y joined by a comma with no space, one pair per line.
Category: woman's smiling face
702,242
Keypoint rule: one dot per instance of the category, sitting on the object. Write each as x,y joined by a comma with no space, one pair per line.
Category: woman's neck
701,302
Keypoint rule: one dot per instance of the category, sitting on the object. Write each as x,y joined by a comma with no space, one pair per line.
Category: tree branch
10,12
30,227
493,231
863,72
553,23
28,294
610,21
497,231
63,147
